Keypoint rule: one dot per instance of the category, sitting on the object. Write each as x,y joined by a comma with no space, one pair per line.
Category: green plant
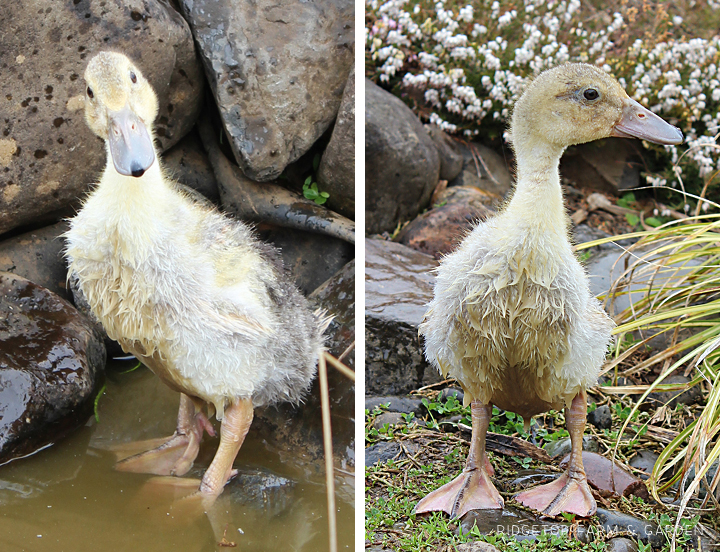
311,192
676,286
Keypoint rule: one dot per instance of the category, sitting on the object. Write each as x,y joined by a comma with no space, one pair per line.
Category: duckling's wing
249,284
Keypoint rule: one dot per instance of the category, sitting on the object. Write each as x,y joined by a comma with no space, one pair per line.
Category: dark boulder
336,173
277,70
48,155
51,366
398,287
402,163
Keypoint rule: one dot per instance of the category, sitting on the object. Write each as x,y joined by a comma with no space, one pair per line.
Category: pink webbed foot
471,490
567,494
172,455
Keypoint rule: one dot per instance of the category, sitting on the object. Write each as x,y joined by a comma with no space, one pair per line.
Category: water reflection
68,497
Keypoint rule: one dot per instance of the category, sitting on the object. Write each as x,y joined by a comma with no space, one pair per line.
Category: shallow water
68,497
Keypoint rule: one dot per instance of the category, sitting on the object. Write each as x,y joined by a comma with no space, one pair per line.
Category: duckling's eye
133,77
90,93
591,94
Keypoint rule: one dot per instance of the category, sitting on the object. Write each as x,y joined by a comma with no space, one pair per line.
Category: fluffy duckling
191,293
512,317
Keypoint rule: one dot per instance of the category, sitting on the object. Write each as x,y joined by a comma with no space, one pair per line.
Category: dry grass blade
327,442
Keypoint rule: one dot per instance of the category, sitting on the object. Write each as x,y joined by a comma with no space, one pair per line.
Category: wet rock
439,231
477,161
476,547
51,365
188,164
398,287
512,522
337,297
48,155
583,233
404,405
474,198
604,165
38,256
262,490
532,478
562,447
644,460
451,158
336,173
402,163
448,392
644,530
381,452
702,490
277,70
673,398
390,418
602,474
311,258
621,544
601,417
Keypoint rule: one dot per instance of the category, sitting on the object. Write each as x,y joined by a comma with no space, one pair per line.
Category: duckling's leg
472,489
235,425
172,455
570,492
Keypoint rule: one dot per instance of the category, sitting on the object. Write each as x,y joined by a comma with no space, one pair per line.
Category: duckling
190,292
512,317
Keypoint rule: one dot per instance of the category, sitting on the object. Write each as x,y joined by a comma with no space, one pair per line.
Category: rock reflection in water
69,497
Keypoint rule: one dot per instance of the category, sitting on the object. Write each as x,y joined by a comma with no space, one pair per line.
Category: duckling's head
576,103
120,106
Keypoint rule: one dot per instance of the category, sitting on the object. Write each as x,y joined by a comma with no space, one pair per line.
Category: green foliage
310,191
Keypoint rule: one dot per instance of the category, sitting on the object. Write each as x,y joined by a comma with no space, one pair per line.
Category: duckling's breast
514,323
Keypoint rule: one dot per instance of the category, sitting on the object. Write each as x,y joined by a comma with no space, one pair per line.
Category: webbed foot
172,455
471,490
566,494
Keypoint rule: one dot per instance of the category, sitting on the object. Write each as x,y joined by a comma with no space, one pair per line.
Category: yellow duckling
512,317
190,292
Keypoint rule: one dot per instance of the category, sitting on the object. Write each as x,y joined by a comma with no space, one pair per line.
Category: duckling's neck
538,197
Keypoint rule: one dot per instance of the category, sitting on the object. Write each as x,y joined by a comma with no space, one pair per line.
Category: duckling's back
194,294
513,320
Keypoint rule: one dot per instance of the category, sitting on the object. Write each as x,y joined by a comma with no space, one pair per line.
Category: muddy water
68,497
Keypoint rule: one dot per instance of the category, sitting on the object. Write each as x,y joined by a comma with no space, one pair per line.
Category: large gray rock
51,364
398,287
438,231
483,168
337,297
277,70
309,257
38,256
608,165
336,173
402,163
451,157
48,155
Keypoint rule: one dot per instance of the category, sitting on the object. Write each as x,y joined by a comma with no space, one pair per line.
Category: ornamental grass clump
673,283
462,65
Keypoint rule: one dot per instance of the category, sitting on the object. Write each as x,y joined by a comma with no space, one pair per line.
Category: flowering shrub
462,66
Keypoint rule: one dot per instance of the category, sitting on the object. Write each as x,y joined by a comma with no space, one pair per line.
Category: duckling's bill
639,122
130,144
